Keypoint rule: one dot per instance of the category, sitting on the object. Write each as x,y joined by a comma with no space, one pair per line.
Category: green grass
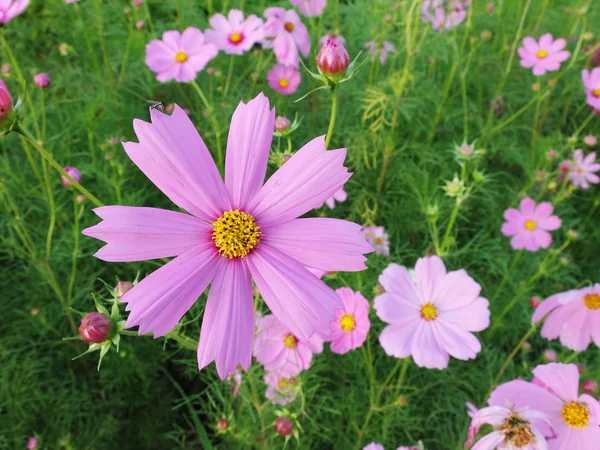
400,123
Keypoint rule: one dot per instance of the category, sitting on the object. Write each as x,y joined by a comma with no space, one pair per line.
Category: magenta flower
5,101
178,56
349,329
375,50
32,443
574,316
545,55
339,196
42,80
95,327
9,9
432,318
277,348
233,34
73,173
583,170
310,8
575,420
237,231
284,79
282,387
287,35
338,37
591,81
529,225
378,238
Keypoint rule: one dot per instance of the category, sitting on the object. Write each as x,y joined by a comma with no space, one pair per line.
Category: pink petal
555,322
392,308
558,45
542,238
456,289
576,332
562,379
546,40
543,211
396,340
512,215
550,223
429,272
511,228
490,441
473,317
458,343
426,350
545,307
397,279
248,147
527,207
228,325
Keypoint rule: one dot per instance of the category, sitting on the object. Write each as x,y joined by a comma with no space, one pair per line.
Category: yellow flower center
428,311
517,431
283,383
530,225
284,83
441,24
596,93
235,38
592,301
181,57
379,240
576,415
347,323
580,170
290,340
542,54
235,234
289,27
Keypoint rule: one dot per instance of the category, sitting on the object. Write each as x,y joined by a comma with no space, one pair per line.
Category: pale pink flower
339,196
310,8
584,168
282,387
574,316
378,238
575,419
382,51
444,15
590,140
178,56
349,329
331,35
545,55
284,79
9,9
432,318
286,34
529,225
591,82
233,34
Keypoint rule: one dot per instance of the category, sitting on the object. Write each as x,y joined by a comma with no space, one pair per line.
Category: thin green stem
453,216
215,123
229,74
333,116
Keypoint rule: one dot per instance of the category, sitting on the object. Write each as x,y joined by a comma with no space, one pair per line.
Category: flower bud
222,424
139,24
581,368
5,101
333,59
550,355
122,288
454,188
565,166
534,302
466,150
5,68
80,198
536,86
63,49
95,327
590,386
73,173
137,3
32,443
526,346
551,154
282,124
42,80
284,426
590,140
572,234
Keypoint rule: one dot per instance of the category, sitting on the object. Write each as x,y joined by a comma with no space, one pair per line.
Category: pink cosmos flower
574,316
236,231
374,50
73,173
277,348
378,238
178,56
529,225
432,318
233,34
286,34
513,429
282,387
554,391
584,168
339,196
9,9
444,14
310,8
5,101
338,37
349,329
284,79
545,55
591,81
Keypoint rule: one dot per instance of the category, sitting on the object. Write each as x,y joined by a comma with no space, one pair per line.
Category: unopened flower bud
222,424
32,443
526,346
572,140
5,101
551,154
466,150
42,80
534,302
590,140
73,173
333,59
478,176
282,124
485,35
137,3
402,401
541,174
35,311
588,35
284,426
378,290
63,49
80,198
565,166
552,186
536,86
5,68
122,288
590,386
454,188
552,82
139,24
95,327
432,211
564,261
581,368
550,355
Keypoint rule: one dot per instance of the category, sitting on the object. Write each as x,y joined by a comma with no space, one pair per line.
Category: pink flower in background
591,82
5,101
574,316
590,386
233,34
575,420
236,377
284,79
339,196
178,56
428,8
444,15
310,8
71,1
276,347
374,50
374,446
349,330
584,168
432,318
378,238
281,387
42,80
529,225
9,9
73,173
338,37
140,24
219,240
286,34
590,140
545,55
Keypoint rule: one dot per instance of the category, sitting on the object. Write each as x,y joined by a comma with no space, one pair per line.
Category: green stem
506,275
78,210
215,123
229,74
449,228
333,115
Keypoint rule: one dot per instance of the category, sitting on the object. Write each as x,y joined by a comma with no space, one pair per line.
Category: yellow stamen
235,38
542,54
592,301
576,415
530,225
347,323
235,234
596,93
181,57
379,240
283,83
283,383
429,311
290,340
289,27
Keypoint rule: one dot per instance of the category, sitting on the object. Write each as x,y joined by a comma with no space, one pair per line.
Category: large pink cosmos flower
277,348
554,391
545,55
591,82
529,225
583,171
233,34
284,79
339,196
286,34
236,231
574,316
310,8
178,56
432,318
9,9
349,329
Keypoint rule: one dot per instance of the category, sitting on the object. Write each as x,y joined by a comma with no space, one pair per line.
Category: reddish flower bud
95,327
550,355
282,123
590,386
122,287
42,80
551,154
137,3
32,443
534,302
73,173
5,101
222,424
284,426
526,346
333,59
